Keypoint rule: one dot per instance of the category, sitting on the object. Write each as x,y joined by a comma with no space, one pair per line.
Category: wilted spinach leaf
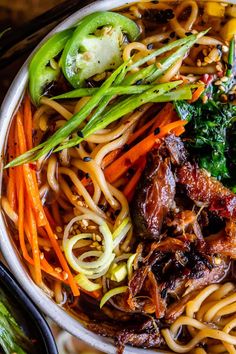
209,134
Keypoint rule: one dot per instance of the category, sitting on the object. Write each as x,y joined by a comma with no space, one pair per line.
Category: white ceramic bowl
9,251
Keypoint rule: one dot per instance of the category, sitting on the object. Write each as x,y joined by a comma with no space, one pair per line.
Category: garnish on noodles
119,179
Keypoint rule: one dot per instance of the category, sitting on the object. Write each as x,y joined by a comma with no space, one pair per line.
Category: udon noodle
71,210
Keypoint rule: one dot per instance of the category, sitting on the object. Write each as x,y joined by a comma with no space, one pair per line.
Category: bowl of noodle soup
118,198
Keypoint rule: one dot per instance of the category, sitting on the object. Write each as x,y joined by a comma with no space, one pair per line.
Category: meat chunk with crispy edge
154,197
202,188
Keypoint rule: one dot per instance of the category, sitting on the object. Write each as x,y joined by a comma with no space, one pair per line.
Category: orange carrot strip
141,131
21,211
49,217
122,164
35,246
109,158
28,122
197,93
45,266
132,184
62,260
179,131
30,178
166,115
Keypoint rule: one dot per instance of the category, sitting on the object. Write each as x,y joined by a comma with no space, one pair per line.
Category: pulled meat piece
176,149
224,242
154,197
207,190
145,334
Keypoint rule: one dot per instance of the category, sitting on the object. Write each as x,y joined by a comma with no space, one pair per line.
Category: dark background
13,15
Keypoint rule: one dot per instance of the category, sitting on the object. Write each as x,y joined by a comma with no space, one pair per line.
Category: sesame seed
58,270
84,223
65,275
218,67
225,49
80,134
87,159
58,229
224,79
56,237
159,65
41,255
98,238
79,203
204,99
222,88
157,131
205,52
47,249
217,83
199,63
92,227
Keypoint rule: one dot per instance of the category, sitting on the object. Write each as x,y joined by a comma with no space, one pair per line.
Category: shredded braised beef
154,197
185,221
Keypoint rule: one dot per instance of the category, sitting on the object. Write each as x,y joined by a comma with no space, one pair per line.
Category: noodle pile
210,315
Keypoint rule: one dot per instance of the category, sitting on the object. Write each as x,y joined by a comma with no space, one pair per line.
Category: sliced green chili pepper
41,70
96,46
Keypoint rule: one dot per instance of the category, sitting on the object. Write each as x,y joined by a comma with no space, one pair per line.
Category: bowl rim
8,109
11,284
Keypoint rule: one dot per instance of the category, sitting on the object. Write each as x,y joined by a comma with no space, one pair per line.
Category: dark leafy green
210,135
12,338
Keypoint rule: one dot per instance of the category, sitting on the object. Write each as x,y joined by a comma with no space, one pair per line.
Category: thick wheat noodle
44,189
52,172
134,46
121,129
124,211
208,69
172,71
96,172
156,38
80,104
80,165
80,189
187,26
57,107
113,145
9,211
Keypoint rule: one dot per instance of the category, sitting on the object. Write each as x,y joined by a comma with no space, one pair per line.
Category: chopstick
21,40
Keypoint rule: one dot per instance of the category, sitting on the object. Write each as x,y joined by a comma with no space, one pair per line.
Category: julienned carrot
109,158
62,260
35,246
129,158
132,184
197,93
30,179
49,217
45,266
28,122
165,116
179,131
33,193
141,131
